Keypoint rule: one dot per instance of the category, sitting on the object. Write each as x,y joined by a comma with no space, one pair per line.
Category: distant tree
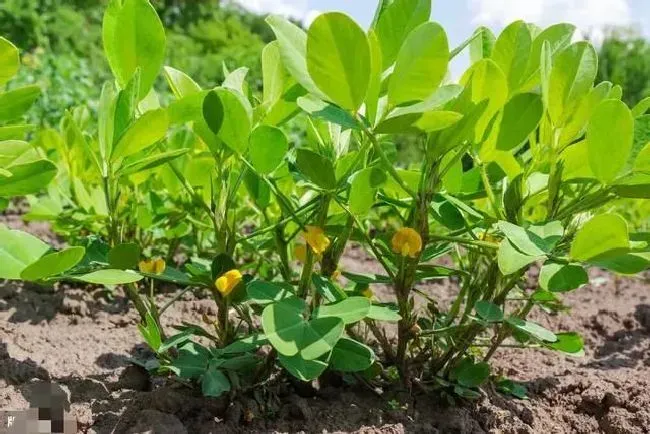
624,59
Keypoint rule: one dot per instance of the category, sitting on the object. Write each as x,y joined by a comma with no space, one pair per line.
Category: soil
82,342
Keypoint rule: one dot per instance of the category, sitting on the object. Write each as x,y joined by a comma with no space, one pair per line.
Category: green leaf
180,83
214,382
302,369
395,22
9,60
572,76
17,251
244,345
421,65
124,256
327,288
351,356
488,311
471,375
610,135
133,37
329,112
109,277
290,334
14,103
53,264
604,234
28,178
512,51
350,310
149,129
641,107
338,59
192,361
292,42
629,263
267,146
316,168
150,332
562,277
521,115
364,185
532,329
366,278
569,343
229,116
374,84
383,313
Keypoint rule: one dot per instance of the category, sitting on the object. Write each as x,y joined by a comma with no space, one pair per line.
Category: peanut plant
522,161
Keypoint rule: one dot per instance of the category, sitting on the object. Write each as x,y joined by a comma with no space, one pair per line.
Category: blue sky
461,17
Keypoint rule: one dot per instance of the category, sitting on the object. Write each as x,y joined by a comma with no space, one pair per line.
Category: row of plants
521,163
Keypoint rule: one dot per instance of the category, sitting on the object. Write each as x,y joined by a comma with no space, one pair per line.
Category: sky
461,17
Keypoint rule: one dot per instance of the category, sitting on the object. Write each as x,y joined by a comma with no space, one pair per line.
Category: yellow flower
367,293
407,242
316,239
228,281
336,274
300,252
152,266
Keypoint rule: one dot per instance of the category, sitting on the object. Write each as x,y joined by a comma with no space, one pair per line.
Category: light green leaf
641,107
9,60
557,277
374,84
144,132
350,310
267,146
572,76
610,135
383,313
180,83
17,251
532,329
151,162
292,41
329,112
53,264
603,234
421,65
395,22
133,37
28,178
351,356
511,260
364,185
512,51
14,103
481,47
109,277
557,37
576,124
521,239
338,59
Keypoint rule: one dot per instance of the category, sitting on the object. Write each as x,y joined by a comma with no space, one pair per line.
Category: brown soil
81,342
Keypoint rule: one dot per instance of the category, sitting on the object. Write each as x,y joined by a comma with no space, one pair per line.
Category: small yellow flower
407,242
300,252
336,274
152,266
367,293
228,281
316,239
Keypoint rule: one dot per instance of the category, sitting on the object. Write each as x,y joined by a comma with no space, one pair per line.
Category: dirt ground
81,343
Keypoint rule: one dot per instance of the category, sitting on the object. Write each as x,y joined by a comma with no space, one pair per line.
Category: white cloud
590,16
297,9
